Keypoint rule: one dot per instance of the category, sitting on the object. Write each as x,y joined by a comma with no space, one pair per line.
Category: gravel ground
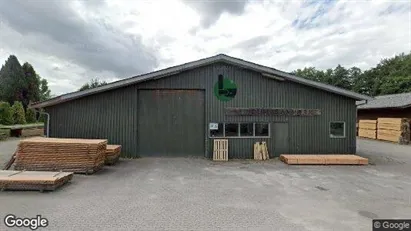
197,194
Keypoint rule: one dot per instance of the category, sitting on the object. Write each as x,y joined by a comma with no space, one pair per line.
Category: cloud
71,42
211,11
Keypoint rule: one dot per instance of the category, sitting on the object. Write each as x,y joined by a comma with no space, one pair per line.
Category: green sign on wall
225,89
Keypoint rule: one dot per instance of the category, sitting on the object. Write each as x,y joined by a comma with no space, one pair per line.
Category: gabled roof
191,65
388,101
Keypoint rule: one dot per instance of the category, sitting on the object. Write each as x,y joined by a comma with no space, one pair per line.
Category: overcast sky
71,42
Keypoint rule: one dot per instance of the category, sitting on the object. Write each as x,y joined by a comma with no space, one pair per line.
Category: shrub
30,115
19,117
6,115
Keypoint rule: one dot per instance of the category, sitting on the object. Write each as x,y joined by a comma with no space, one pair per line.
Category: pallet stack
55,154
367,129
112,154
220,152
261,151
394,129
33,180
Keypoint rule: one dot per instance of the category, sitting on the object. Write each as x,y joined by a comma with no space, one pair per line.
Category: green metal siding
171,123
114,114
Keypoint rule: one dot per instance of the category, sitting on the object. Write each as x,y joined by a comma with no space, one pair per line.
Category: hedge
6,115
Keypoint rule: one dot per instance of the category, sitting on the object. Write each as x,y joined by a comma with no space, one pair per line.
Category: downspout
48,121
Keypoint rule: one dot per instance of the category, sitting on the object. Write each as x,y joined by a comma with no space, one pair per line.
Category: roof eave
191,65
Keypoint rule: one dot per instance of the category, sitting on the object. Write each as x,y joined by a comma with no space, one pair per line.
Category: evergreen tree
13,84
19,116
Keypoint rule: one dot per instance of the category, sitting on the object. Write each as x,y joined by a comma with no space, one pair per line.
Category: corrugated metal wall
114,114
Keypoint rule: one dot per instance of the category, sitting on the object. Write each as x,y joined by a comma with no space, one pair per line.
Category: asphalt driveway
197,194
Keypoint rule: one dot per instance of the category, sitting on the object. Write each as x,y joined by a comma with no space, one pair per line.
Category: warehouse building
178,111
385,106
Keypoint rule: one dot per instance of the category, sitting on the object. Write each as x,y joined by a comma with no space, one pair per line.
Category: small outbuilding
178,111
385,106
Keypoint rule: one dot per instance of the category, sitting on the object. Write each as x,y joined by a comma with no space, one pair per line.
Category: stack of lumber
33,180
367,129
261,151
394,129
330,159
55,154
4,134
220,152
27,132
112,154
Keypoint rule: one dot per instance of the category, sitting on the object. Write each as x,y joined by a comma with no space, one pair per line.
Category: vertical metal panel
114,114
171,123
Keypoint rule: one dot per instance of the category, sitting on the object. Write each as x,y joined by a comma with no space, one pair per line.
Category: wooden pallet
33,180
331,159
220,152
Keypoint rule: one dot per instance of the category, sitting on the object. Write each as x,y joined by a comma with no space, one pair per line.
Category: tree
44,91
19,116
30,115
6,116
92,84
33,84
13,84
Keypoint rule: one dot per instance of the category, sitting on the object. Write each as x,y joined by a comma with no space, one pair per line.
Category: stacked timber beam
261,151
330,159
367,129
220,152
28,132
55,154
112,154
394,129
33,180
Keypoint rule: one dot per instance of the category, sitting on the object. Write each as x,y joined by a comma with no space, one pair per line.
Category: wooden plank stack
28,132
367,129
33,180
112,154
261,151
330,159
56,154
220,152
394,129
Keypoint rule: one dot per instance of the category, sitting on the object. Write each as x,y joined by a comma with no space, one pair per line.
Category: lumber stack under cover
33,180
394,129
28,132
367,129
112,154
56,154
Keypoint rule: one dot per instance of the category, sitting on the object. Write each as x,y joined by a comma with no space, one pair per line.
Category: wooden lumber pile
261,151
394,129
220,152
112,154
33,180
328,159
28,132
55,154
367,129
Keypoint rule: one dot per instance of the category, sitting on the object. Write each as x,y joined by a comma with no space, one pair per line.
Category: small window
337,129
246,129
216,129
231,130
261,129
